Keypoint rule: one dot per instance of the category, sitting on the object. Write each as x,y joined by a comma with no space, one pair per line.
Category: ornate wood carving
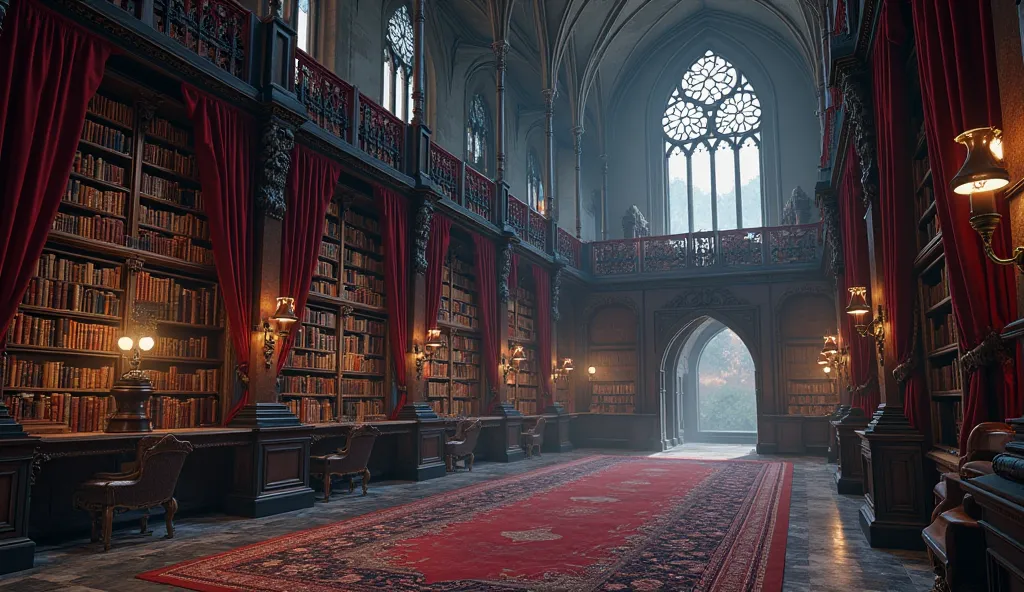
505,270
856,89
829,207
556,288
421,235
275,159
705,298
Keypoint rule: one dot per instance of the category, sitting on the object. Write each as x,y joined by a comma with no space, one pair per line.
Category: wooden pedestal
17,551
556,430
421,451
850,473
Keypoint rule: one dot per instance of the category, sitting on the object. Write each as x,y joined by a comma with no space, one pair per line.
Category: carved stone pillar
604,197
500,49
549,153
418,132
577,147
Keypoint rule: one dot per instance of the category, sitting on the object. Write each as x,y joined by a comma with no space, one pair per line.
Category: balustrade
446,171
537,233
518,217
569,247
328,99
479,195
380,133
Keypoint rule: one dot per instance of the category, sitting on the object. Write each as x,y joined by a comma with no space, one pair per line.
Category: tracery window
398,65
478,135
534,183
712,125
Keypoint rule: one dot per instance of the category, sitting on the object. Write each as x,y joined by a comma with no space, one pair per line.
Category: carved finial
500,49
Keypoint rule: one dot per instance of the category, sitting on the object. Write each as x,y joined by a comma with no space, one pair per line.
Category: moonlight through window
712,125
398,65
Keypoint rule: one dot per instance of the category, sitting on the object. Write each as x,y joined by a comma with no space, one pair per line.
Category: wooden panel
283,465
613,325
431,446
8,493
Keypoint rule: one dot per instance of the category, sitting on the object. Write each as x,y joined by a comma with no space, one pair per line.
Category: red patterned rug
602,523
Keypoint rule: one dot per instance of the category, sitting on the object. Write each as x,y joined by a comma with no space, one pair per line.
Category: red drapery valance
856,272
394,210
487,282
957,65
896,207
50,68
224,150
542,283
437,250
311,182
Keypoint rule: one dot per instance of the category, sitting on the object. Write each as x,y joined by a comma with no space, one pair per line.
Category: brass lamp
132,390
591,373
875,328
983,173
517,355
430,347
831,358
284,317
562,372
434,341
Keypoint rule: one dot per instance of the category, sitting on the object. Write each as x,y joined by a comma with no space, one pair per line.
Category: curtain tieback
402,388
992,350
905,369
242,372
856,390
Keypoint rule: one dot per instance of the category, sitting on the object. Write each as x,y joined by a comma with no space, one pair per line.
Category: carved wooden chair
983,444
533,438
462,444
350,461
148,482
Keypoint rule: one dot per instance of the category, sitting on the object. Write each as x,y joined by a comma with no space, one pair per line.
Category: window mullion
714,189
689,189
739,198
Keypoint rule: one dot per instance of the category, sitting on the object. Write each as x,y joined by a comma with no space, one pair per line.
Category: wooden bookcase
523,386
337,369
454,373
129,253
613,386
809,391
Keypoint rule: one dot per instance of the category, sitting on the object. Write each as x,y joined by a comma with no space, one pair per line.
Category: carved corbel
856,88
556,289
421,235
505,270
275,160
829,207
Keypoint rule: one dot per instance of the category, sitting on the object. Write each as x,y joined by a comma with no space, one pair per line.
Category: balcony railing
381,134
537,233
479,197
446,171
328,99
569,247
730,249
518,217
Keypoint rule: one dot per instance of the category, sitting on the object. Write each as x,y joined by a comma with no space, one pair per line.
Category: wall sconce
517,355
562,372
858,307
591,373
430,348
127,344
284,317
983,173
832,359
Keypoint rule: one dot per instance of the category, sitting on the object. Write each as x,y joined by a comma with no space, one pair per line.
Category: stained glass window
712,125
398,54
534,183
478,135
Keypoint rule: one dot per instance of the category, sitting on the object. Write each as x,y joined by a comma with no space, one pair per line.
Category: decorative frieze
857,100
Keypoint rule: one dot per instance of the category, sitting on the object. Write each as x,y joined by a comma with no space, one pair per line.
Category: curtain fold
513,277
437,250
487,282
224,140
960,90
856,272
50,68
311,182
394,210
542,284
896,207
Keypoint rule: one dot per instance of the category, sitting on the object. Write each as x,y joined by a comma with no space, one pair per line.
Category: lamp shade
434,339
984,169
858,301
822,359
146,343
125,343
591,371
831,345
518,355
285,313
567,365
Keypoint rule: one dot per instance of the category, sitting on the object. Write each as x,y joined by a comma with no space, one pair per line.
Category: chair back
471,432
159,469
360,445
986,441
538,428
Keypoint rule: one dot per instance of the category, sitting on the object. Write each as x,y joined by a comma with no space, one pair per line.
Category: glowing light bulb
125,343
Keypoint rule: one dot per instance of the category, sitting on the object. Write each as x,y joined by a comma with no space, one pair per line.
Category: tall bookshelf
613,386
809,391
128,254
454,373
336,370
523,386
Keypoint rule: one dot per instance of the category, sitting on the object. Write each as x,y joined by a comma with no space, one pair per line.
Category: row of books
314,360
461,342
822,387
942,333
465,357
171,192
95,167
946,378
189,224
79,413
620,398
614,388
611,408
526,393
184,347
183,164
624,357
28,329
107,137
326,269
329,250
364,296
359,363
453,408
813,399
325,287
308,385
73,297
364,344
362,387
363,325
112,110
527,407
181,304
465,390
932,294
437,389
169,413
56,267
435,369
315,338
812,410
353,218
332,229
202,380
98,228
334,209
315,316
358,279
363,261
179,247
360,240
22,373
165,130
360,410
465,372
83,194
311,410
464,320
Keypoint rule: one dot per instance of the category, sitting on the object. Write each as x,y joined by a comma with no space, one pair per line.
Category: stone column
549,153
604,197
500,48
577,146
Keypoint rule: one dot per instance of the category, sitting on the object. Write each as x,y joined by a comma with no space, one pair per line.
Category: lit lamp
132,390
562,372
831,358
858,307
517,355
428,351
591,372
284,317
983,173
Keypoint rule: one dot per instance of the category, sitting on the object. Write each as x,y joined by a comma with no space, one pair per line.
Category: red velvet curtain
957,64
542,283
896,208
50,69
513,277
394,210
311,182
437,250
856,272
224,152
487,283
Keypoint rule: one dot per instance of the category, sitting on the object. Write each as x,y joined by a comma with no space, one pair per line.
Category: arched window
398,65
305,25
726,396
534,183
712,125
478,135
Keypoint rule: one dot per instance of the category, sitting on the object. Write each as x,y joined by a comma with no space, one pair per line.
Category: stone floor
826,550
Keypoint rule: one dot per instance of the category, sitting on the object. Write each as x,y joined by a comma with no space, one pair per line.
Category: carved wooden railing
328,99
479,196
518,217
217,30
446,171
732,249
569,247
380,133
828,137
537,233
